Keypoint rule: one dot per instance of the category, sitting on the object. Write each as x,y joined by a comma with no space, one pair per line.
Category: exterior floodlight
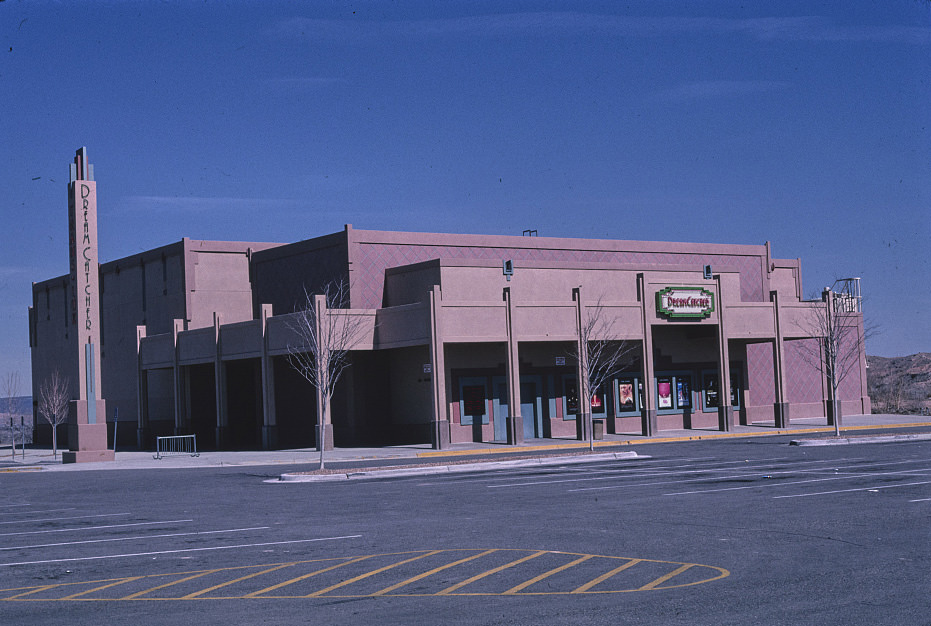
707,272
508,268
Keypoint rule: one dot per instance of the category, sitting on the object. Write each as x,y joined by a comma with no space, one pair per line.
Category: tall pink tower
87,416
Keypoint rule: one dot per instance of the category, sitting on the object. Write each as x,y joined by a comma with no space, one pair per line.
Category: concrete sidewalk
346,458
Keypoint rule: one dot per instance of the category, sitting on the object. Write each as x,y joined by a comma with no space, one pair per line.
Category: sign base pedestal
88,442
86,456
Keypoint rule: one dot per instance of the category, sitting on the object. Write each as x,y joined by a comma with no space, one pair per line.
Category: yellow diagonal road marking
500,568
84,593
133,596
258,593
537,579
236,580
31,591
319,593
606,576
431,572
662,579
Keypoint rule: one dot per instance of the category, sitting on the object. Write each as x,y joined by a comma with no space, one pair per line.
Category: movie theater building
462,338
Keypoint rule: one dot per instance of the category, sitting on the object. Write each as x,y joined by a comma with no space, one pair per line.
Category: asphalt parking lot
711,532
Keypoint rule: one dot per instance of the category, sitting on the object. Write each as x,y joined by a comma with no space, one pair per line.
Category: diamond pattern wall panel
762,383
372,259
804,378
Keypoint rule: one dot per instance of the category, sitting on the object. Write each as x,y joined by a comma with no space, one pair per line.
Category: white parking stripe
120,556
71,530
639,473
74,543
752,474
798,482
824,493
33,512
58,519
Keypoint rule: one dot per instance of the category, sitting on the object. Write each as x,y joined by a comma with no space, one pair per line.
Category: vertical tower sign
87,431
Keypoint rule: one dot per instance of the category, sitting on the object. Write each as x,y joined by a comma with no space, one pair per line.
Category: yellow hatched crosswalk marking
431,572
197,594
100,588
606,576
555,570
138,594
662,579
31,591
258,593
500,568
319,593
575,568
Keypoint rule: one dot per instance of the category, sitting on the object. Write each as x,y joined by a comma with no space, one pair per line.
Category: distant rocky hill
900,384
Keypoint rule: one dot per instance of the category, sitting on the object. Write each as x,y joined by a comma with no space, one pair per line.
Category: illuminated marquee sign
685,302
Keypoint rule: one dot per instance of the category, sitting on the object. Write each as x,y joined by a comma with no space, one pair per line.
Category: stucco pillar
269,417
514,421
583,423
439,425
221,429
648,407
324,424
725,410
143,432
177,383
781,406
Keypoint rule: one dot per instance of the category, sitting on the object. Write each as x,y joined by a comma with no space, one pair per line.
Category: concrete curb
846,441
700,436
453,469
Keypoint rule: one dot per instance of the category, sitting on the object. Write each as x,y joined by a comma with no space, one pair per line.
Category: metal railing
176,445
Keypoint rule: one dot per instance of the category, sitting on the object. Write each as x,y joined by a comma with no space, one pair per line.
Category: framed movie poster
572,396
684,392
664,392
625,394
598,402
735,390
711,391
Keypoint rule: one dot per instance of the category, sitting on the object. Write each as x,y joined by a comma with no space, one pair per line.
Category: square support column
780,406
648,422
439,425
725,410
514,422
269,416
143,432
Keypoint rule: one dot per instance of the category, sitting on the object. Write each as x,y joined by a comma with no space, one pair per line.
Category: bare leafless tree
327,333
605,356
54,395
10,392
838,325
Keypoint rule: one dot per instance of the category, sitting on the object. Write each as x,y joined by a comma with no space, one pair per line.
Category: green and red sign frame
685,302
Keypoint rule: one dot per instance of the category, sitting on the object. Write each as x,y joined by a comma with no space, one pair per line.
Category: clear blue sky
807,124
